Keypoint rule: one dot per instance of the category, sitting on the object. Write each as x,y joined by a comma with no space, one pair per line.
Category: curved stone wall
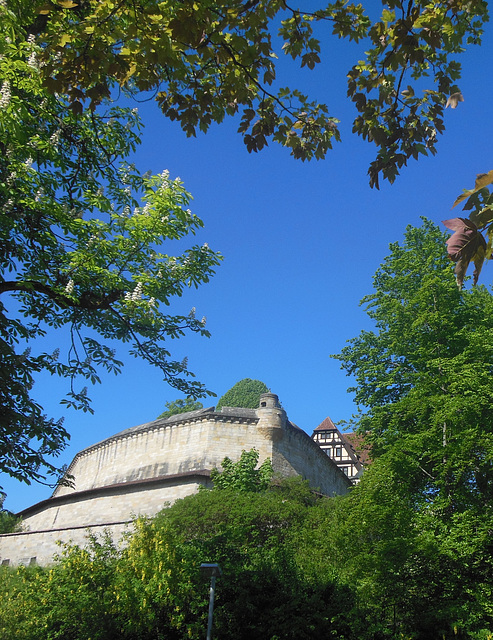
140,470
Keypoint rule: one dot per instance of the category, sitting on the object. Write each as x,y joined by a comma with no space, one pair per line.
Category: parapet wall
162,449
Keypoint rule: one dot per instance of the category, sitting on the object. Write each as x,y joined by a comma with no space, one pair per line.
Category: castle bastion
142,469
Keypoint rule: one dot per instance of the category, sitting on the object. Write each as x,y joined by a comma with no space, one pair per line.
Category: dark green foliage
243,475
152,588
8,521
264,592
245,393
180,406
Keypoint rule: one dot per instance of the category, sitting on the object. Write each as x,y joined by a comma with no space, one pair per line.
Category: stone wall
160,449
140,470
71,518
39,547
294,454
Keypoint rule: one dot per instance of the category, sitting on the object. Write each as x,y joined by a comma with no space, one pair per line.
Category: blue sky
301,242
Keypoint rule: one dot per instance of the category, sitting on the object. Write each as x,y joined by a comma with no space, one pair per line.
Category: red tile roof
325,425
358,443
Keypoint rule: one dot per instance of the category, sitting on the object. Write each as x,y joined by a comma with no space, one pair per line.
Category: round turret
270,413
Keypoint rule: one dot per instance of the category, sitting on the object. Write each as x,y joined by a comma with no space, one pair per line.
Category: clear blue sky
301,243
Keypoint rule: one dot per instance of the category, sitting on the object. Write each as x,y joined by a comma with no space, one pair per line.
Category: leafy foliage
245,393
207,60
400,110
8,521
422,511
180,406
243,475
151,588
81,246
366,566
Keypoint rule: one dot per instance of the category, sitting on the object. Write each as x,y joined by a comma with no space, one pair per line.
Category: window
338,452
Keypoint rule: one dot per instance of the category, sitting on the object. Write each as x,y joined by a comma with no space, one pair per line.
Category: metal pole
211,607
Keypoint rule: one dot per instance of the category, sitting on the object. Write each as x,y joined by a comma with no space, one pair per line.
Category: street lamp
212,571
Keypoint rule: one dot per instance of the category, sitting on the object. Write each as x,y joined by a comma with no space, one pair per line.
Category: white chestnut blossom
32,61
92,239
5,94
55,138
70,287
137,293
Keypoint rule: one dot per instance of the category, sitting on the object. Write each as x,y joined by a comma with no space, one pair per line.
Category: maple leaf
464,245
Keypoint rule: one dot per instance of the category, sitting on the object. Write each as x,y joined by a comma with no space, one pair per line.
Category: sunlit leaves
85,244
243,475
423,383
424,373
415,43
206,60
203,61
482,180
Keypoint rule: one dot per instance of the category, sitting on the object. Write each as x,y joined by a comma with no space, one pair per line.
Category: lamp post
211,571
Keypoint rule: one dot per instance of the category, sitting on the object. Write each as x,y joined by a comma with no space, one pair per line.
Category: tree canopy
423,382
203,61
180,406
245,393
151,587
82,236
365,566
423,377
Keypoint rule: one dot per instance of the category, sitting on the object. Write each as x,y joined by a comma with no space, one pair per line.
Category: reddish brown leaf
464,245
